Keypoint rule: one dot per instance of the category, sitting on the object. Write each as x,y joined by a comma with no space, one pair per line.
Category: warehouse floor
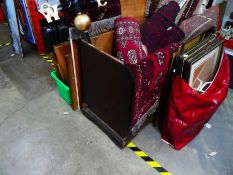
41,135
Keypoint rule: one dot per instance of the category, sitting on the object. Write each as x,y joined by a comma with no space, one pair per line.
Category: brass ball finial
82,22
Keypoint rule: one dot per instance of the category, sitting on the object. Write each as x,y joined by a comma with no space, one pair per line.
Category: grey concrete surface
36,138
194,159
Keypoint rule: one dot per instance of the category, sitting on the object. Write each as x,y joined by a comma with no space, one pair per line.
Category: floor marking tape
5,44
8,43
149,161
47,58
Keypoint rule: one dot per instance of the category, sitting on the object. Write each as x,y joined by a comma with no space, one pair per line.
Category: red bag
189,111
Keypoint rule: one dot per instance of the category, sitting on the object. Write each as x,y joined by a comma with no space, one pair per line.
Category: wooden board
76,68
133,8
71,77
104,41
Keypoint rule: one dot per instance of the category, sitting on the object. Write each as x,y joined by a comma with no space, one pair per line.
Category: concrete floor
36,138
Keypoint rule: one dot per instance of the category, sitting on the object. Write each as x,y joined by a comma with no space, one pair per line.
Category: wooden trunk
107,84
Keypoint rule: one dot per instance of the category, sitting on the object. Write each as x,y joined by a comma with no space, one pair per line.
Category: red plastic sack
189,111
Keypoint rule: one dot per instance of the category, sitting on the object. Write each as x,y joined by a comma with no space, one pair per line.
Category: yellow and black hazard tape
149,161
5,44
47,58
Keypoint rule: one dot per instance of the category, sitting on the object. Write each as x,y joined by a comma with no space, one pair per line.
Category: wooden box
107,85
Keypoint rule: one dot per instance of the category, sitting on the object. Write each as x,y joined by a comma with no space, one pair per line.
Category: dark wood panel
108,88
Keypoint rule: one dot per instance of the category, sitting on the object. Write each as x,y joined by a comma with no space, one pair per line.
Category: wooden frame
201,67
203,70
107,84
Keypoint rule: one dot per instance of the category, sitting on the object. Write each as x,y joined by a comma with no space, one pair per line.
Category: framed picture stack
198,65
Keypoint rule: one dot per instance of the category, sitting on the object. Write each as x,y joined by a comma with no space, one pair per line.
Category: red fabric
149,71
188,111
169,10
160,30
128,40
149,75
229,44
2,19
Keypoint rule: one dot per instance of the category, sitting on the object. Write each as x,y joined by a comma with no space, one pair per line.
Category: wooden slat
71,76
77,67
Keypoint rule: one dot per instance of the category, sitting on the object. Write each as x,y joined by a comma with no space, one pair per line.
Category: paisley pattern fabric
149,74
149,71
128,40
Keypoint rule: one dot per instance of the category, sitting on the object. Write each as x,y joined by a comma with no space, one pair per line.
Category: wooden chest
107,85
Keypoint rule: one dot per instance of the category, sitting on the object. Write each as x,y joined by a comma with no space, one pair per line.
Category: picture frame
201,68
190,52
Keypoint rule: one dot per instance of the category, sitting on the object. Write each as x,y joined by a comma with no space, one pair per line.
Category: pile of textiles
196,25
192,14
147,53
147,50
103,16
184,119
188,8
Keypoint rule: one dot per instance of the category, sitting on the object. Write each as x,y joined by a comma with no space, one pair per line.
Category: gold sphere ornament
82,22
